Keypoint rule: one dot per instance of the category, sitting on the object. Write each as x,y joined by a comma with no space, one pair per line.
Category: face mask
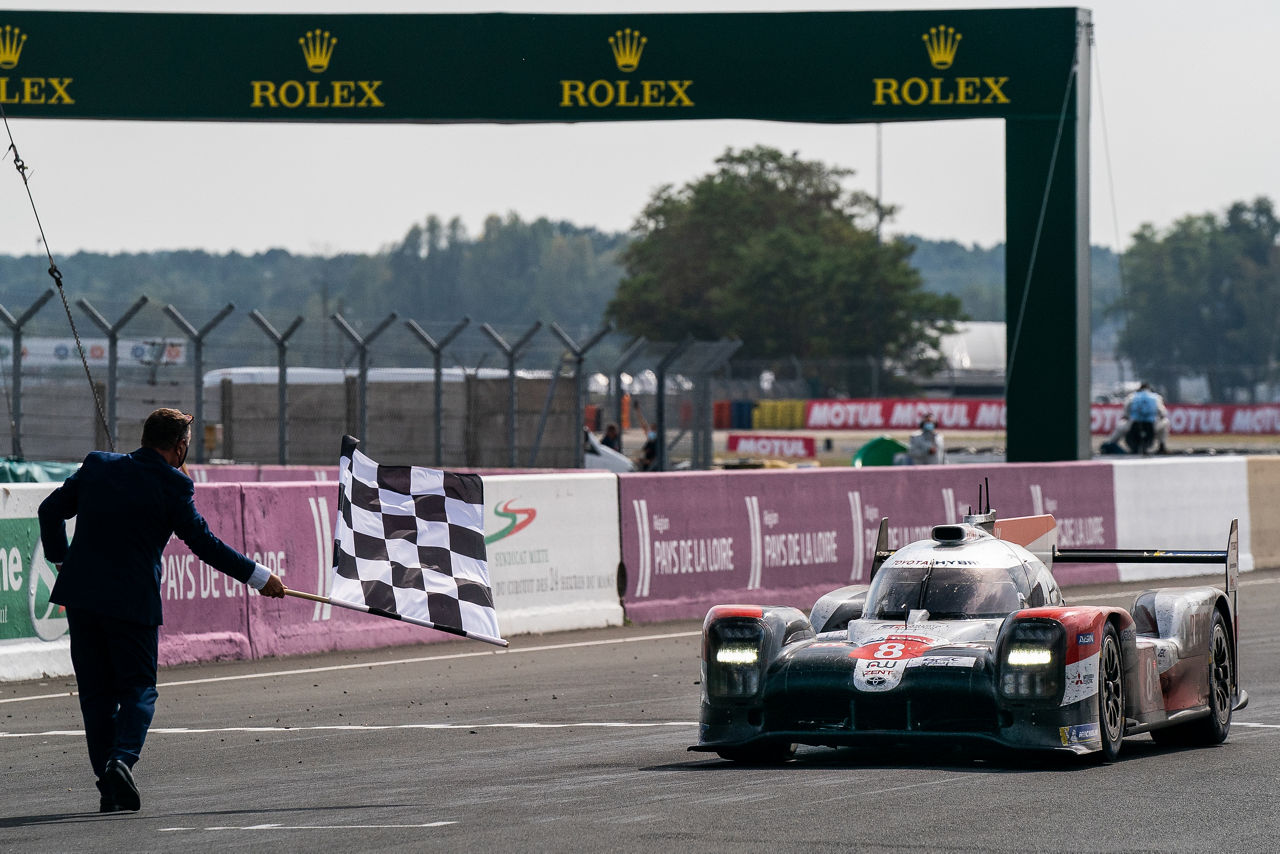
928,425
183,458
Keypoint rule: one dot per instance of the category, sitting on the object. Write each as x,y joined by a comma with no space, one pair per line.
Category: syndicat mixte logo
317,47
27,90
627,46
941,45
517,519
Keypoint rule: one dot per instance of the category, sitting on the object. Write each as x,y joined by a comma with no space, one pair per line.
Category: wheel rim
1220,674
1112,706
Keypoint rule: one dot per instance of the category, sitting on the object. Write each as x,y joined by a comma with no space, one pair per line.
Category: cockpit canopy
950,592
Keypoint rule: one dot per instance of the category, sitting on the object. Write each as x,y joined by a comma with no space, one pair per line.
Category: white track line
368,728
370,664
313,827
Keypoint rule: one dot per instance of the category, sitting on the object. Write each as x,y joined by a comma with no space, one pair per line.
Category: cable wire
56,274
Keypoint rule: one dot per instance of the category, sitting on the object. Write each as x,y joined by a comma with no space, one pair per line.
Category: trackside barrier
785,537
1183,504
1264,499
554,552
561,545
33,632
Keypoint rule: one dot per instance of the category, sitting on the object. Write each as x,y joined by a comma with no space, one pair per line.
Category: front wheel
1110,695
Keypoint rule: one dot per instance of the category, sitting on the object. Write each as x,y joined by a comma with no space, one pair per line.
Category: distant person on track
1144,422
611,439
126,507
926,446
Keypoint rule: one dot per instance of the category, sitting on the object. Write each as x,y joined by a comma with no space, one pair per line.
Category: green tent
880,451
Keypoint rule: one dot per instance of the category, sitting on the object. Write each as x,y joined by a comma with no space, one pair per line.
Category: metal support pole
113,340
282,377
197,337
660,403
16,324
437,348
512,352
579,356
362,379
615,380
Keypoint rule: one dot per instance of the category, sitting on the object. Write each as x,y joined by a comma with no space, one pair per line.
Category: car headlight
1031,663
733,658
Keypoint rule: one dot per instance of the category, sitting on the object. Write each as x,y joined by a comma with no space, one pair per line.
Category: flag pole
365,609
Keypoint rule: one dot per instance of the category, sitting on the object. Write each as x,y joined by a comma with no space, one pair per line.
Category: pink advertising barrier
289,527
693,540
205,613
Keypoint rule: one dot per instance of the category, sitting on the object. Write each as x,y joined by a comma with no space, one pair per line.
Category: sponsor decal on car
1079,734
878,674
1081,680
1084,639
944,661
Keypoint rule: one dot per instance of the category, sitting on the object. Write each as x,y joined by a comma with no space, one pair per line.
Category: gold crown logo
942,44
11,42
627,46
317,49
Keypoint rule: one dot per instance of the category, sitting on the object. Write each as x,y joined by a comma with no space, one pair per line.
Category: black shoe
121,789
106,803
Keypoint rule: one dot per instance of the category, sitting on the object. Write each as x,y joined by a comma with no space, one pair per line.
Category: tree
1202,298
771,250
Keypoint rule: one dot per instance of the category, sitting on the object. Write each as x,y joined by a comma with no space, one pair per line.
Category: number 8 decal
889,650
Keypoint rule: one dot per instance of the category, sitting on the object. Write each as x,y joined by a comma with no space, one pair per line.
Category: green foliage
771,250
1203,298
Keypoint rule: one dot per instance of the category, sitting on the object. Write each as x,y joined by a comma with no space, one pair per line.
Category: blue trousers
115,662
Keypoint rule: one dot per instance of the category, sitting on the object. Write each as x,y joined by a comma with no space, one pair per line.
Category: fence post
362,345
437,348
512,352
282,382
579,356
16,324
660,402
197,341
113,340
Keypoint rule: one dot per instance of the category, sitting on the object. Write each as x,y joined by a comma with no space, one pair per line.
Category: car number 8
889,650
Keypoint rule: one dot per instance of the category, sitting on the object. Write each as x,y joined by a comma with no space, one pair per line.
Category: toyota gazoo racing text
966,637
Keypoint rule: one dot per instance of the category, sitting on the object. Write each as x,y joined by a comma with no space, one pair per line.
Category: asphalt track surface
577,742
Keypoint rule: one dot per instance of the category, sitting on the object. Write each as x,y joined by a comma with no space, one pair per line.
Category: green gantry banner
805,67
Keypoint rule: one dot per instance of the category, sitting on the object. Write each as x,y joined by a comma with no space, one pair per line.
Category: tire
1214,727
1110,695
768,753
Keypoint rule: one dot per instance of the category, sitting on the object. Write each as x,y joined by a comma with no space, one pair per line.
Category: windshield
946,592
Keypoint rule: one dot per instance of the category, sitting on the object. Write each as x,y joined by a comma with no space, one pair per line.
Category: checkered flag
410,546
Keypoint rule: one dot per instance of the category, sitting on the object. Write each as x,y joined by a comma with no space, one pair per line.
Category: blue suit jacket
126,508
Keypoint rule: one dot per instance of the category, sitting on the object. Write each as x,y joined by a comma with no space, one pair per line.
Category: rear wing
1228,558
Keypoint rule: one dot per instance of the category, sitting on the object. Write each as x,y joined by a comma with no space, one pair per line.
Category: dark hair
165,428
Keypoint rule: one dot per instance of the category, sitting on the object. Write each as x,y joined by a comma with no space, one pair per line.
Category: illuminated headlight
748,655
1031,666
1029,657
733,658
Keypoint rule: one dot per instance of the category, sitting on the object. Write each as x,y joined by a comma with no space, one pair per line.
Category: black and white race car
966,637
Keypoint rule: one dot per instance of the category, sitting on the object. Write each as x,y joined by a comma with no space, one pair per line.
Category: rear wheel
1213,728
1110,695
768,753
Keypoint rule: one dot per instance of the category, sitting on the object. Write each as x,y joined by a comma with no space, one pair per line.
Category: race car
966,638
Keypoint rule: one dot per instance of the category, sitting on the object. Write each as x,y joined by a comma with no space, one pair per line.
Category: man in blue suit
126,508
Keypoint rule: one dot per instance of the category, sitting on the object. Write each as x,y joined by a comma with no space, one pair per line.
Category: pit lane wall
571,551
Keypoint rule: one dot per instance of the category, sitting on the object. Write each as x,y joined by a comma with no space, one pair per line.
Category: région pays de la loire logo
517,519
317,51
941,44
27,90
627,46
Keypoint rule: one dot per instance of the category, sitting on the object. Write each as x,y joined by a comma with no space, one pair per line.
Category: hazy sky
1190,91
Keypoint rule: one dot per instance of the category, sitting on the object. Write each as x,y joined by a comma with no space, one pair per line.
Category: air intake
949,533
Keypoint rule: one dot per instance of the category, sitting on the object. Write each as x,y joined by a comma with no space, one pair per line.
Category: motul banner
795,447
1186,419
